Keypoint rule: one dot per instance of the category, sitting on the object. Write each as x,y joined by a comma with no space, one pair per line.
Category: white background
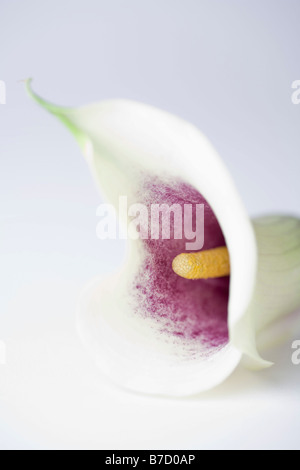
225,65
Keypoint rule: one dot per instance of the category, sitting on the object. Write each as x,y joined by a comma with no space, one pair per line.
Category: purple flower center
187,310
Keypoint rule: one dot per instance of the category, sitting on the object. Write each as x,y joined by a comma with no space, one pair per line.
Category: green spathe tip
63,114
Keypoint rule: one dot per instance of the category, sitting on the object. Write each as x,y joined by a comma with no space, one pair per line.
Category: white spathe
120,139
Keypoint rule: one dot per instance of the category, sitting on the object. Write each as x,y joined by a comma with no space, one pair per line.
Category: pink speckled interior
194,310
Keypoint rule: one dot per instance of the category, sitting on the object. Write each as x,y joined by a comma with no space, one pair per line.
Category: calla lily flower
147,328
